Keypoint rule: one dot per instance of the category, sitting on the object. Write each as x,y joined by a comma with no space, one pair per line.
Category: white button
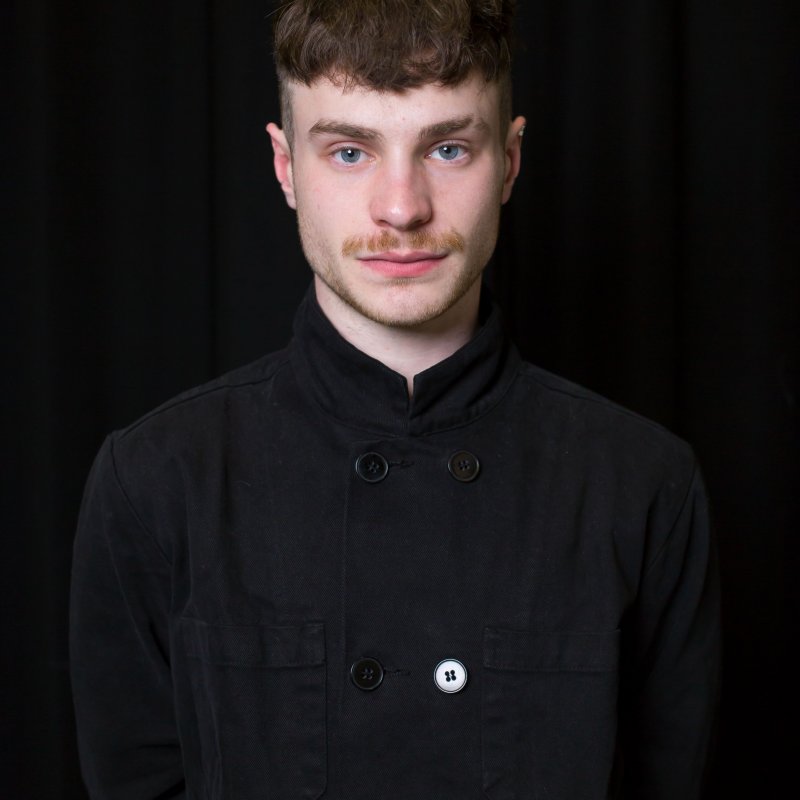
450,676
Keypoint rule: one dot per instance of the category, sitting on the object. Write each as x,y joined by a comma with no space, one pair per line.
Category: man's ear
282,161
513,154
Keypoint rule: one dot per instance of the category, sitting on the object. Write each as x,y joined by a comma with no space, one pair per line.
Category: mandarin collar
364,393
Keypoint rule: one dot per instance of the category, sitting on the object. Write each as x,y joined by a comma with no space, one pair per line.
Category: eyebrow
450,126
437,130
345,129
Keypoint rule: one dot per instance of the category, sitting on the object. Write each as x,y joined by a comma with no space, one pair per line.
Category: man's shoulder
587,418
198,409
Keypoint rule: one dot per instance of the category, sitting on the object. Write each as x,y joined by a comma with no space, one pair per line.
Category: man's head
397,150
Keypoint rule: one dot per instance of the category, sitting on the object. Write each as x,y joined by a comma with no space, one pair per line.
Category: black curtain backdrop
651,253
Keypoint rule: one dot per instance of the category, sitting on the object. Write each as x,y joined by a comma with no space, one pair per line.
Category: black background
651,252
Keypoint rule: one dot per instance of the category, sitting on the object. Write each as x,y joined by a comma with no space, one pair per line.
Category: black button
372,467
463,466
367,674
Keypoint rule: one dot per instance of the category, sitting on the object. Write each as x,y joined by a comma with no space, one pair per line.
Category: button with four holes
367,674
372,467
450,676
464,466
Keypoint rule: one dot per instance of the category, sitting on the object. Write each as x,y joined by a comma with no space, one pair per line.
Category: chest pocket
548,713
259,698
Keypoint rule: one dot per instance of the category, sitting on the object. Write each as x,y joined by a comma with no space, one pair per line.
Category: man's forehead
325,102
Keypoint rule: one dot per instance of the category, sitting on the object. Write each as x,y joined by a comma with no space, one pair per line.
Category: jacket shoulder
201,404
582,416
154,456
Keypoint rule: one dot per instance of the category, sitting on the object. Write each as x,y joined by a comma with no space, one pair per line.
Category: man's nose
401,198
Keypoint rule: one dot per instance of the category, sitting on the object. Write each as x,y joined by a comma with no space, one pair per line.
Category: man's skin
398,201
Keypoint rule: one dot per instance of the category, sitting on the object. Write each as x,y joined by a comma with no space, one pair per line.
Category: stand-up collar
360,391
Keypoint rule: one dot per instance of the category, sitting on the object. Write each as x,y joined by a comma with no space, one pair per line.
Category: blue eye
448,152
349,155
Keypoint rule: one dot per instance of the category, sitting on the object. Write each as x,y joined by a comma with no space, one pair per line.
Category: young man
394,561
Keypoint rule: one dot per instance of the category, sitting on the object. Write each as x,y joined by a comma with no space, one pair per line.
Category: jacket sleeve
119,648
673,662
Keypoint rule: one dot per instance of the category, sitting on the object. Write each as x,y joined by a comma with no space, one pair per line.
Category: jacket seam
132,508
528,371
668,540
198,394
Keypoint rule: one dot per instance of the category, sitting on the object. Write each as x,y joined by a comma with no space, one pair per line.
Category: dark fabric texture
231,564
650,253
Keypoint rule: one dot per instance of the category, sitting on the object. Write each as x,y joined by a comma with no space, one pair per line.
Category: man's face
397,195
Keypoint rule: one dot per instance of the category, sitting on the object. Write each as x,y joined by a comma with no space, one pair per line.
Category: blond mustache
416,240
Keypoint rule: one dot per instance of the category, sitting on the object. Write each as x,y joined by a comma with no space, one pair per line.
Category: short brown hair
392,45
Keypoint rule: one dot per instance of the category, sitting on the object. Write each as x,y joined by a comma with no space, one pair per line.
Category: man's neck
407,351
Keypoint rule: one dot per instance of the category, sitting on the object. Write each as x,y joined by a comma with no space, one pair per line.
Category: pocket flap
266,646
545,651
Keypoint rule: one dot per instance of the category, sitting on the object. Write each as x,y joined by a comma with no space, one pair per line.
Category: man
394,561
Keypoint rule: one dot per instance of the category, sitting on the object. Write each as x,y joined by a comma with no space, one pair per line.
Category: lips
403,264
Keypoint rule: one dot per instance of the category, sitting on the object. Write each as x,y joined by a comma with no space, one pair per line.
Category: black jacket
269,569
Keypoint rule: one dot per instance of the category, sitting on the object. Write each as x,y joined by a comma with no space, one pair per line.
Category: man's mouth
403,263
